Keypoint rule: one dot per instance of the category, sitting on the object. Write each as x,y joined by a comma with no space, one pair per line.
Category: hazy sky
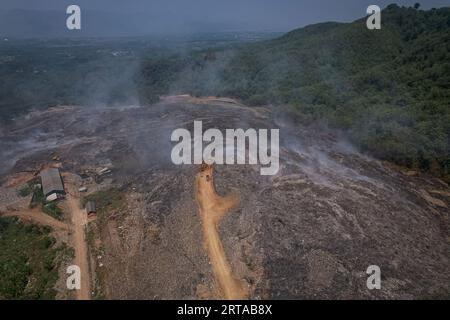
147,16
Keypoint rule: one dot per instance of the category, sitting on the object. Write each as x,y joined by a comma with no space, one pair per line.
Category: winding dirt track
79,221
212,208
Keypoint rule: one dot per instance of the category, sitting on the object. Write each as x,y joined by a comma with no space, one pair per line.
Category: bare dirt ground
73,231
309,232
18,179
37,216
79,221
212,207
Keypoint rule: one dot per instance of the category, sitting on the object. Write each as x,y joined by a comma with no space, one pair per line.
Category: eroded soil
308,232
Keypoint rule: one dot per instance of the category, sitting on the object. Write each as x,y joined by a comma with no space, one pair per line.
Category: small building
90,207
52,184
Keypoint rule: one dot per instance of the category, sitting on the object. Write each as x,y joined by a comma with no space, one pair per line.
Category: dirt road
37,216
79,221
212,208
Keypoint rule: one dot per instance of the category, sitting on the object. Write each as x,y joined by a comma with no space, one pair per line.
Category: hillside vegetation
389,88
29,261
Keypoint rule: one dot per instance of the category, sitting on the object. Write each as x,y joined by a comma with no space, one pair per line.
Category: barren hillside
311,231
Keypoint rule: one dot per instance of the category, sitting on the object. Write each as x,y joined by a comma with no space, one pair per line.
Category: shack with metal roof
90,207
52,184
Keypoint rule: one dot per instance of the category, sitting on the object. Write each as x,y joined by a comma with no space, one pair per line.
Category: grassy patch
29,261
25,191
38,198
53,210
96,250
30,187
107,202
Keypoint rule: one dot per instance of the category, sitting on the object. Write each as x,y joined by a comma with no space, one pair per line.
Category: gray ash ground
308,232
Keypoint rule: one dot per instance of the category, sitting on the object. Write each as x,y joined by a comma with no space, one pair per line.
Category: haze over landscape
88,178
46,18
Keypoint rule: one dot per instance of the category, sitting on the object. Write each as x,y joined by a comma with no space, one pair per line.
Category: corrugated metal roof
51,181
90,207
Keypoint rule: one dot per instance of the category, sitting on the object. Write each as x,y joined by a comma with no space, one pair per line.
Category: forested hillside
389,88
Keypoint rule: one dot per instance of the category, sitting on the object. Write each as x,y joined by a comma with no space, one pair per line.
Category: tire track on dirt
212,208
37,216
79,222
